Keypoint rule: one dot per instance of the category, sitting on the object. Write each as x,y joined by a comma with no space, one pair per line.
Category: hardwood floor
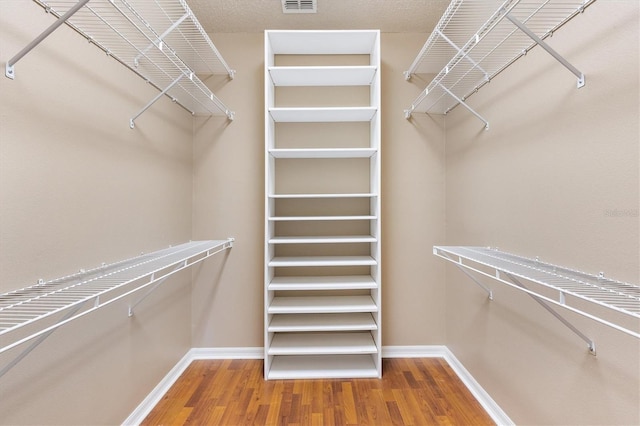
413,391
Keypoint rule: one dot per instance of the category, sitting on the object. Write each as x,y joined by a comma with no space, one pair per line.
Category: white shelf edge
350,282
362,75
299,261
322,114
326,322
324,239
321,304
322,152
325,195
322,42
320,218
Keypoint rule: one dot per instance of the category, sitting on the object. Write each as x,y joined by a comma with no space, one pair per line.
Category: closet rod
9,68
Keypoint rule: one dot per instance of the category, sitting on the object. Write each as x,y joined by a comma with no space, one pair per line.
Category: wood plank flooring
413,391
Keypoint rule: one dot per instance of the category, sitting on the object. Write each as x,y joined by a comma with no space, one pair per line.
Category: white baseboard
228,353
430,351
145,407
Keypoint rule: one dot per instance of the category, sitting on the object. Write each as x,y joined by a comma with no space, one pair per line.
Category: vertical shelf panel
322,320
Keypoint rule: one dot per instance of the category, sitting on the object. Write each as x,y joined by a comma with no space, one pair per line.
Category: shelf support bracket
36,343
160,41
9,67
464,104
152,101
458,264
464,54
156,285
590,343
549,49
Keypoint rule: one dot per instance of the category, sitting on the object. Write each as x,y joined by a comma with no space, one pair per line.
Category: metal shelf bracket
152,101
522,27
590,343
9,67
464,104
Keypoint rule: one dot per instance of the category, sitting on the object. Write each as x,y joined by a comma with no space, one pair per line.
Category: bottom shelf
322,367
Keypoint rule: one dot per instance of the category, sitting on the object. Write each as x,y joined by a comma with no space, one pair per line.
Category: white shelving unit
160,40
613,303
322,237
33,313
476,40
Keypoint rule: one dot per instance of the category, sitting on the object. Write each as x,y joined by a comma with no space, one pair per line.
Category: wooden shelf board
295,261
322,343
322,152
357,321
337,239
322,114
322,367
322,76
321,304
297,196
349,282
321,218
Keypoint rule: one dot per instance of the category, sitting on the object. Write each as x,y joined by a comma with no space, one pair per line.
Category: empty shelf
321,304
321,218
161,41
349,282
474,41
323,239
296,261
299,196
359,321
322,114
323,152
322,366
100,286
310,42
322,343
323,76
617,296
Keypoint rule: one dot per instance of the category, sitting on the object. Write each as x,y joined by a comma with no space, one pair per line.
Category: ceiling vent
299,6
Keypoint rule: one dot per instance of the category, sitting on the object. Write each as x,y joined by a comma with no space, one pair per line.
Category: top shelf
338,42
160,40
473,42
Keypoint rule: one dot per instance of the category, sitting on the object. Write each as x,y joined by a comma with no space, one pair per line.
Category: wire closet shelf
38,310
558,285
160,40
476,40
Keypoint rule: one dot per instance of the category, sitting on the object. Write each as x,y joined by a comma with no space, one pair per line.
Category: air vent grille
299,6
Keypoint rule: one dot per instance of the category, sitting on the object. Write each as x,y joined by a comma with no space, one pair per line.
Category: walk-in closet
319,212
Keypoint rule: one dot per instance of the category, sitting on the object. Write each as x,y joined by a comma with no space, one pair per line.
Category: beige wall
229,200
73,176
78,188
546,180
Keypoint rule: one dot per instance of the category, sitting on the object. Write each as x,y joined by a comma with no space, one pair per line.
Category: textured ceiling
250,16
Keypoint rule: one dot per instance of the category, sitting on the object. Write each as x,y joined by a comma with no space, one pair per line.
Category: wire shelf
473,42
160,40
31,306
614,295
